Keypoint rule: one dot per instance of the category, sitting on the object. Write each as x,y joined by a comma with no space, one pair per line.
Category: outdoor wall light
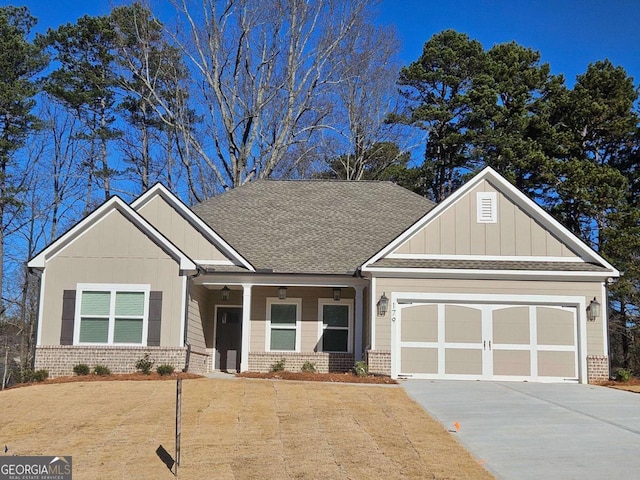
593,310
224,293
337,294
282,293
383,304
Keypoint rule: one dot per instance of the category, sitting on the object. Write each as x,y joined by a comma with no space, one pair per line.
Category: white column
358,318
246,327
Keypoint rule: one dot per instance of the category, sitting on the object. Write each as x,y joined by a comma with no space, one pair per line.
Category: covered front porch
251,322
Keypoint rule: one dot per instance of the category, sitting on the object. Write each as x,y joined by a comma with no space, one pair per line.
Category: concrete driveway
534,430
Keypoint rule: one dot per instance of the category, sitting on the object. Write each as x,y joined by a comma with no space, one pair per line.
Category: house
485,285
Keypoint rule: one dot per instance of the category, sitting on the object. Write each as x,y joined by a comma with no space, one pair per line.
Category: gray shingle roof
489,265
312,226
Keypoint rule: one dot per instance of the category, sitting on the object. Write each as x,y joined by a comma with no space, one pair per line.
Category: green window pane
130,304
283,314
283,339
335,315
94,330
335,340
95,303
127,330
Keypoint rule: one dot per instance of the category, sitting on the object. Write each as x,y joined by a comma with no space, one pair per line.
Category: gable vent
487,207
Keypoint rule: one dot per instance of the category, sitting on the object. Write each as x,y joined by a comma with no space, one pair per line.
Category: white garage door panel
487,341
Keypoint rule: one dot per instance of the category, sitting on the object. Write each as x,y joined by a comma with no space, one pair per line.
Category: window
487,207
283,320
111,314
335,325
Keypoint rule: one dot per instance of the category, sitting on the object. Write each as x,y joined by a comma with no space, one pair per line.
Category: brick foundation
324,362
199,363
59,360
597,368
379,362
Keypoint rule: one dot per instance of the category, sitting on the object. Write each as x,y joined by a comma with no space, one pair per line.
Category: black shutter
68,316
155,319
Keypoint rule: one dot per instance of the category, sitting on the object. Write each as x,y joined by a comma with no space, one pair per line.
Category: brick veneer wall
597,368
379,362
59,360
199,363
293,361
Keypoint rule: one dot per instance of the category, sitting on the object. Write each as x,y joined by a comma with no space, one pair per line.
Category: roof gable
463,228
114,204
186,229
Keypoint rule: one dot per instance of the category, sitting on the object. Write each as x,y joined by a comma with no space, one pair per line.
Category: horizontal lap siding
309,316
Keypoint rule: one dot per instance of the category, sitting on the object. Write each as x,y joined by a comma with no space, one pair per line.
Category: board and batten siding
457,232
595,340
179,231
113,251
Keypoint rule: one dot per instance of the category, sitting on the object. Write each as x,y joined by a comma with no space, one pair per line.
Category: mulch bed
320,377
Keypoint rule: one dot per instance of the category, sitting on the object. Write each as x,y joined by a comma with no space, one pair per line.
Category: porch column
358,320
246,327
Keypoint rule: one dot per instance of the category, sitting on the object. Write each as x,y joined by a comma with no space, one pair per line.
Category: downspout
186,318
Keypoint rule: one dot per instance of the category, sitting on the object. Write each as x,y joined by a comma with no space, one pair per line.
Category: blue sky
570,34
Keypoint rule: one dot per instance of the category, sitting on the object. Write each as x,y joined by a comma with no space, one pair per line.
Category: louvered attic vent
487,207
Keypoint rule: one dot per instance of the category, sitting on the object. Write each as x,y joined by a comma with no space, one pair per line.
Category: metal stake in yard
178,427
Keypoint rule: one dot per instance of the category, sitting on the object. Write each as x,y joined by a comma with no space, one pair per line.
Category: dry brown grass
233,429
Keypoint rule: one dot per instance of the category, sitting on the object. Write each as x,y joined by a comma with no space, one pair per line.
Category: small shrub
361,369
308,367
40,375
101,370
145,364
165,370
24,376
624,374
278,366
81,369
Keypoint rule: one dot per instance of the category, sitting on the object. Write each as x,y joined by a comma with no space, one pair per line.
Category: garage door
487,341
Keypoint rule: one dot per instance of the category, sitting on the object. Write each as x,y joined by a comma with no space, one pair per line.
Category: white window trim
298,328
112,288
321,325
492,199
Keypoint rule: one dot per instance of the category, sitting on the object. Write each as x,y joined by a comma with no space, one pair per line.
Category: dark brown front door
228,338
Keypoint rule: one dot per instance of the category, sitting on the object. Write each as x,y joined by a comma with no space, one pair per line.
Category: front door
228,338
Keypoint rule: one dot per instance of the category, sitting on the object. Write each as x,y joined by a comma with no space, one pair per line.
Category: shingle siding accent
59,360
293,362
597,368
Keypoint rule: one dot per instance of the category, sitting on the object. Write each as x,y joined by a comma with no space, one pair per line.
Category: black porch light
224,293
383,304
593,310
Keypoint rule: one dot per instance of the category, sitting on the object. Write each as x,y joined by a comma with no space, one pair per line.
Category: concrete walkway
534,430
